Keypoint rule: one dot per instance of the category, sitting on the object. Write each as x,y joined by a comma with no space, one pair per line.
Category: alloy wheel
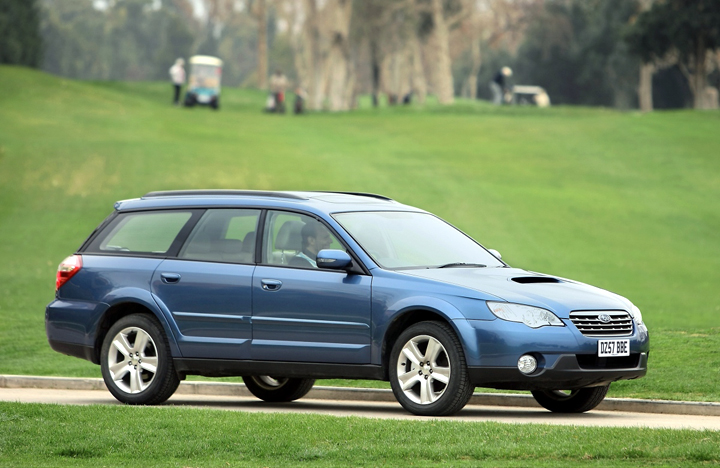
423,369
132,360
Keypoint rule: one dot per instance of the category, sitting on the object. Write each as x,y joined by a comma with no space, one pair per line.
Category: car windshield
205,76
405,240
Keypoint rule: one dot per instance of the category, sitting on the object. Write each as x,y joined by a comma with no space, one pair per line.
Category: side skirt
235,368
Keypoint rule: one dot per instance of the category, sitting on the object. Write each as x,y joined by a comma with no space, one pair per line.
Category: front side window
148,232
223,235
294,240
403,240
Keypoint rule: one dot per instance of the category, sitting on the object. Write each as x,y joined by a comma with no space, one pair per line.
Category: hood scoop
535,279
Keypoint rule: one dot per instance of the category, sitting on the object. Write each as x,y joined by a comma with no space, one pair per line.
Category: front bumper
566,358
568,371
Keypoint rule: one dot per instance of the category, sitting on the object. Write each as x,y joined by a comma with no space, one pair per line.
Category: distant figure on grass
300,97
315,237
177,75
500,87
278,83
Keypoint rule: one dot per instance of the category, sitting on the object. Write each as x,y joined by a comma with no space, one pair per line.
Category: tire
215,104
574,401
277,389
415,383
138,372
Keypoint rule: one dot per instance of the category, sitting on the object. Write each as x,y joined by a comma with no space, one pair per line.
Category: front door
300,312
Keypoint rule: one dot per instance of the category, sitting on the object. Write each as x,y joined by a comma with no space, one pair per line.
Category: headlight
637,315
533,317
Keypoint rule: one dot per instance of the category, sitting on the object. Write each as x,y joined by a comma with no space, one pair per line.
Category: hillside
624,201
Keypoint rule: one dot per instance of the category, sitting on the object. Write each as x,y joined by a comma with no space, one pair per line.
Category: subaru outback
282,288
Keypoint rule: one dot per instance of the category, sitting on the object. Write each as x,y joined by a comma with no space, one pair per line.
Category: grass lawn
624,201
94,436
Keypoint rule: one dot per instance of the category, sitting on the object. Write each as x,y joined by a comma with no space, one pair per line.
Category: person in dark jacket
499,85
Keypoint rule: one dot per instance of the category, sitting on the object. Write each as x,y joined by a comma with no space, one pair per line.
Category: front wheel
572,401
136,363
428,373
277,389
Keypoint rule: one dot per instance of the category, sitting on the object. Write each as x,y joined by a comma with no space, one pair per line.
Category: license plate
612,348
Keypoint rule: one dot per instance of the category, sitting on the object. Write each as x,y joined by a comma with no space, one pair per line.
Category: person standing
499,85
300,97
278,83
177,75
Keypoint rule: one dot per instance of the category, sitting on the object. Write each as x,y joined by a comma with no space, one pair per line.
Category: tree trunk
699,79
419,82
339,76
262,59
312,61
441,44
476,57
645,87
375,59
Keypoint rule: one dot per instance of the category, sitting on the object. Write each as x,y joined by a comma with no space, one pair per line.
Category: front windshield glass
205,76
404,240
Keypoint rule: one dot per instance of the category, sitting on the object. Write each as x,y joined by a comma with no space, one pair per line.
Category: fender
148,300
384,317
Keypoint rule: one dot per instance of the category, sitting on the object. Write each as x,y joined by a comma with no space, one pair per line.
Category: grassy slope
624,201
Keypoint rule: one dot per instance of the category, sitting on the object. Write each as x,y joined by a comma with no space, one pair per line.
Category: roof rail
221,192
364,194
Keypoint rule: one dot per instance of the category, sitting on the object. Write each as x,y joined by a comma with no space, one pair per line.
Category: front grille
589,323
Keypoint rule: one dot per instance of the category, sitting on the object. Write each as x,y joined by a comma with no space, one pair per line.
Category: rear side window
148,233
223,235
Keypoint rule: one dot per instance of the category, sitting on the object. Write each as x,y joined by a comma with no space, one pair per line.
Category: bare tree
340,74
440,44
259,9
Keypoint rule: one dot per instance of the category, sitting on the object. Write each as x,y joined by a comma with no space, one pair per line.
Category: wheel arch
123,308
402,321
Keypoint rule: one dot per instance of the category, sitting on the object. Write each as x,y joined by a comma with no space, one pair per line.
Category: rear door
208,287
301,312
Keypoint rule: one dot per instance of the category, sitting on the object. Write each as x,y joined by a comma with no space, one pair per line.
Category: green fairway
623,201
94,436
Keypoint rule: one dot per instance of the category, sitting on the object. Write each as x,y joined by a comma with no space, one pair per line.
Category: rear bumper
566,373
75,350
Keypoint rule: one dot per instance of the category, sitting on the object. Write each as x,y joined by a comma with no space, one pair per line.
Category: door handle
169,278
271,284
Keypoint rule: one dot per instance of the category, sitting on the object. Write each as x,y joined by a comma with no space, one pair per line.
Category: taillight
67,270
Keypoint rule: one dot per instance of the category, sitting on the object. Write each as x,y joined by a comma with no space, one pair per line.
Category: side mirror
495,253
333,259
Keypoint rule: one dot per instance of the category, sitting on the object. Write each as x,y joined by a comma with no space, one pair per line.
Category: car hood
525,287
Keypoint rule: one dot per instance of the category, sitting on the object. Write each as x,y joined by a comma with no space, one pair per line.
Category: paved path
375,409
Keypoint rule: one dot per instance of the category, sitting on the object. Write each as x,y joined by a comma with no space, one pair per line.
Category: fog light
527,364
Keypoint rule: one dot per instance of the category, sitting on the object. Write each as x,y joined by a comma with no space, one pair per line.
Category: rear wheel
428,373
277,389
136,363
571,401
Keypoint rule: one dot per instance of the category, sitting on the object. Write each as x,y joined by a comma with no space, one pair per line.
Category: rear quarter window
147,233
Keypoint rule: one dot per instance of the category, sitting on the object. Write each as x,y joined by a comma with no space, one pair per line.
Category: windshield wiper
463,265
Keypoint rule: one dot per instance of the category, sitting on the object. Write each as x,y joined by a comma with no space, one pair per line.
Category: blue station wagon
283,288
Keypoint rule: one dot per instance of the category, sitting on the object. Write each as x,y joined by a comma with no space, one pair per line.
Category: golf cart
530,96
204,83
